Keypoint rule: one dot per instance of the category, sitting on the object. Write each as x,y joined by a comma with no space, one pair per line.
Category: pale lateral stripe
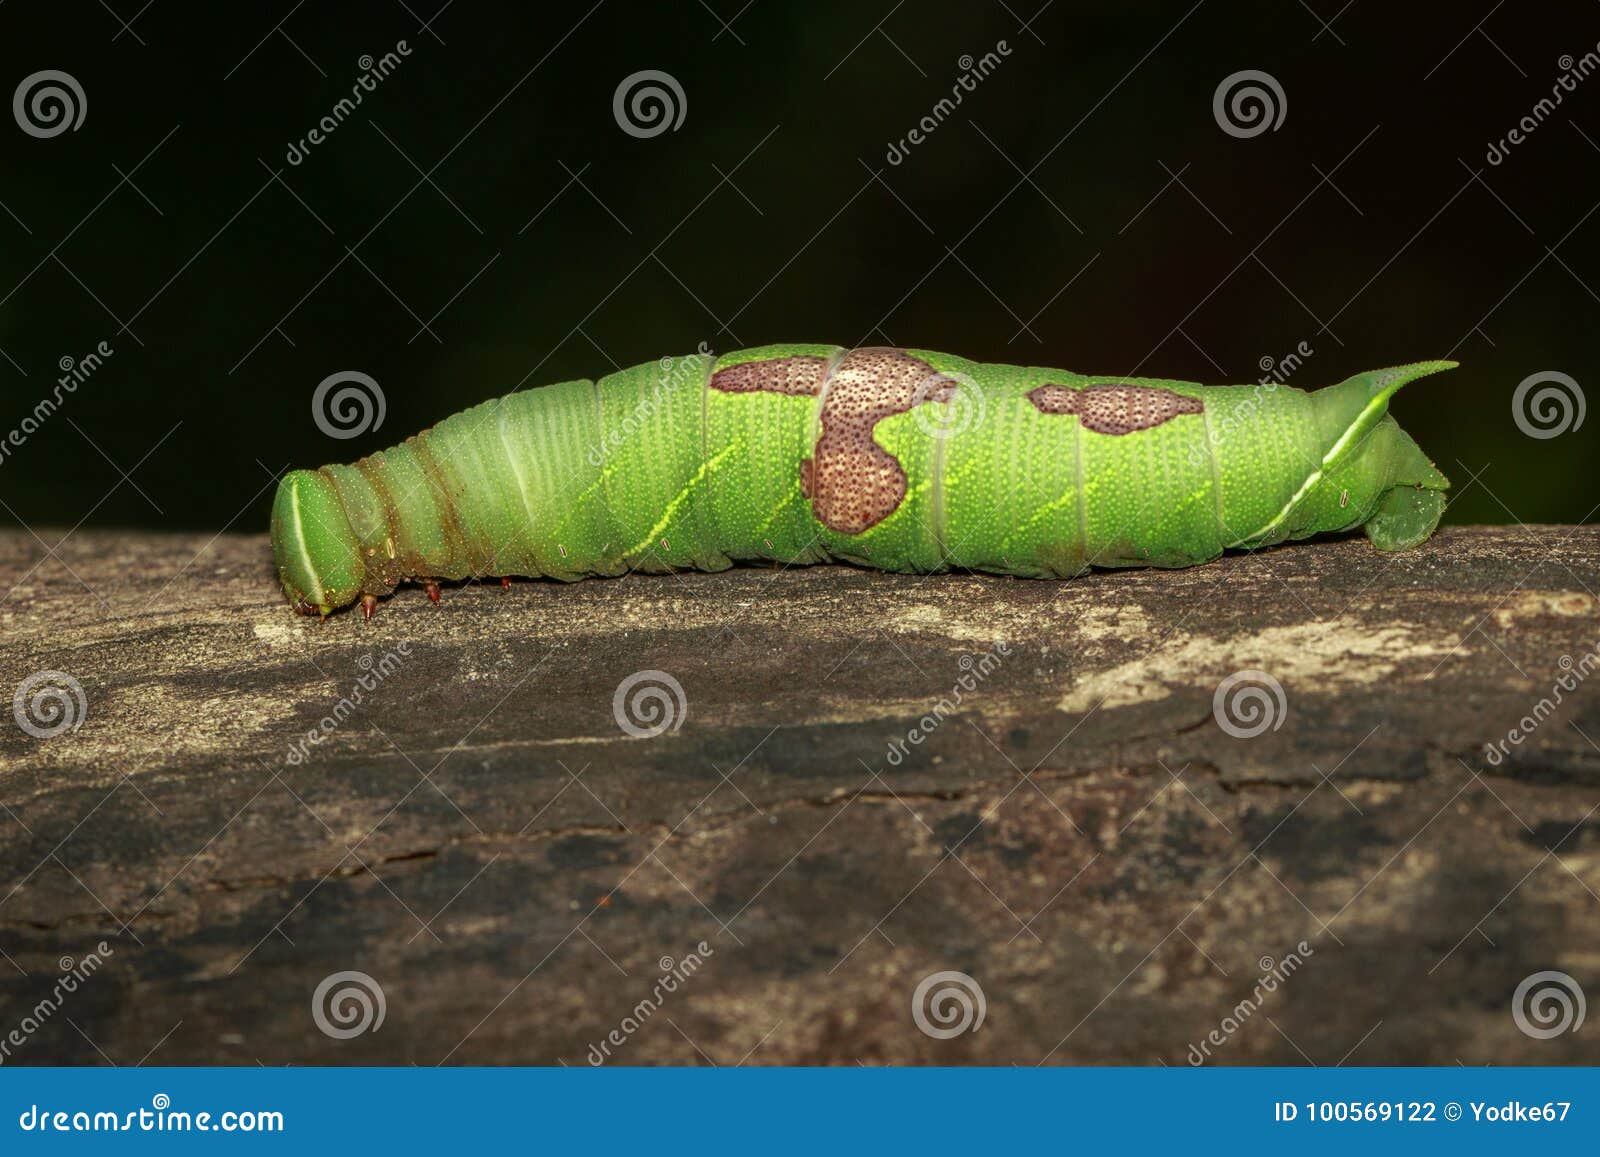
1328,459
682,496
706,516
937,526
705,513
300,543
1081,477
516,470
1216,468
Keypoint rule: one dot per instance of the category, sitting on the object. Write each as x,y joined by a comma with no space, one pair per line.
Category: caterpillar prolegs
900,459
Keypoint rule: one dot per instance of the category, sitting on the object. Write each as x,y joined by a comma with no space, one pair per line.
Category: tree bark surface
868,779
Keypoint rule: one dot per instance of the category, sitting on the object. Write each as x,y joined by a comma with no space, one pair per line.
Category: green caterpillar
904,460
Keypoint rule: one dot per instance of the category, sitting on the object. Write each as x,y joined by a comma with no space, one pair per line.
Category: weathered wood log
869,779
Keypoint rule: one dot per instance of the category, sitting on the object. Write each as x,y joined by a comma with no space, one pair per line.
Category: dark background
546,244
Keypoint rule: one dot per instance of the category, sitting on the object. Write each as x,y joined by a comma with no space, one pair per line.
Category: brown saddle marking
852,482
1115,407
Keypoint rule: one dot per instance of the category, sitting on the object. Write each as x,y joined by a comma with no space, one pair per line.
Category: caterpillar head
319,560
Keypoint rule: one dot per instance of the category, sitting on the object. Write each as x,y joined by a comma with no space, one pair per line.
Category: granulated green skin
677,465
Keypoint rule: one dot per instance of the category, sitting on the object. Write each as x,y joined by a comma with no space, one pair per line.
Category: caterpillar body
901,459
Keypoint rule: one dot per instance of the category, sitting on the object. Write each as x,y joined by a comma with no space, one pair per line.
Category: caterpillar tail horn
1370,447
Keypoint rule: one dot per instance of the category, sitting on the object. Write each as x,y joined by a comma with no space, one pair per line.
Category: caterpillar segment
901,459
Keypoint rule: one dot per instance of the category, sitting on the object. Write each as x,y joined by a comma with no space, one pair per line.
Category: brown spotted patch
1115,407
853,482
799,375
